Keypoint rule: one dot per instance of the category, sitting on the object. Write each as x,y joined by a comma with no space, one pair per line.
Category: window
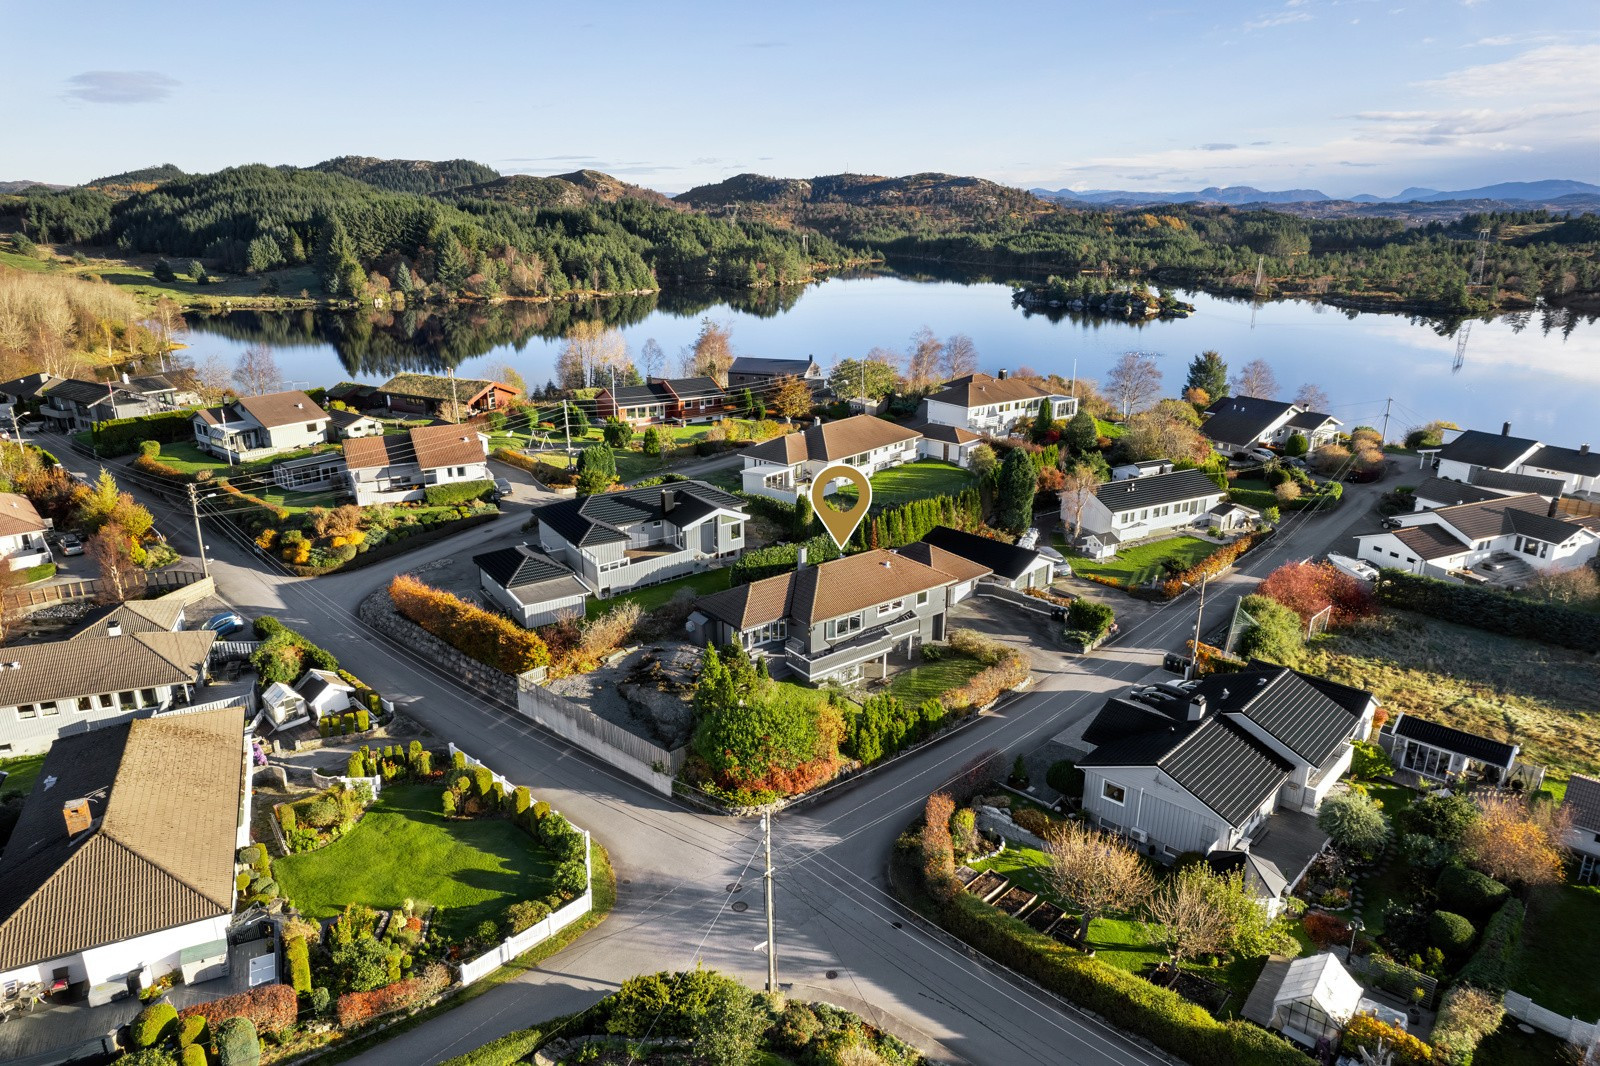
735,530
49,709
85,703
127,701
768,633
922,599
311,427
839,627
27,710
891,607
1115,793
147,697
107,701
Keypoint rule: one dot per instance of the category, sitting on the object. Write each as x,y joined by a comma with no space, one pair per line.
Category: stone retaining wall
377,611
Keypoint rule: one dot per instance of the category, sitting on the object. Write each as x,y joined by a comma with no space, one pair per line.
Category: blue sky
1343,95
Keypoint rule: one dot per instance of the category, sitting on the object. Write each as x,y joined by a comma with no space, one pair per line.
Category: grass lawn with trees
404,848
1142,563
1555,963
911,481
655,595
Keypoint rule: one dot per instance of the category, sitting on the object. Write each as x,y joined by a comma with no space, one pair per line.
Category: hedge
155,1024
299,957
1494,612
275,636
456,493
507,1051
1450,933
1490,965
777,559
193,1031
355,1008
491,639
193,1055
1470,893
121,436
237,1043
268,1008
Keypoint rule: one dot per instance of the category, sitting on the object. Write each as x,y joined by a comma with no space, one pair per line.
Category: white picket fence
329,780
1573,1031
509,948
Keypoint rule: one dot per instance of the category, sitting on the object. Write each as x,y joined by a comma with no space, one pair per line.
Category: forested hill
409,175
562,190
941,196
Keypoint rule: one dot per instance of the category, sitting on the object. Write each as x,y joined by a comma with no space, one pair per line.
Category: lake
1538,370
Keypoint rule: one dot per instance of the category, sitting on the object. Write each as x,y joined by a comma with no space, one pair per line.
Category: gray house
530,586
1008,565
753,372
839,621
72,405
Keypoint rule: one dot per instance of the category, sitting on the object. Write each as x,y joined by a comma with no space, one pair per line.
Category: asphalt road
841,937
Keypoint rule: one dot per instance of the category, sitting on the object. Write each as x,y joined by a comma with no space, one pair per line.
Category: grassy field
1143,562
932,680
1538,696
656,595
1108,429
1560,942
913,481
1510,1046
405,849
136,275
23,771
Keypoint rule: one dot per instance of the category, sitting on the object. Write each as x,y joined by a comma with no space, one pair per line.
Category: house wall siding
159,950
1155,804
30,736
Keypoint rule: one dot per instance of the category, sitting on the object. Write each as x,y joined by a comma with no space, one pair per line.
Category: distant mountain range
1506,191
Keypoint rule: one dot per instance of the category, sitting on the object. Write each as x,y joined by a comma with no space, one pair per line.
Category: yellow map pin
840,524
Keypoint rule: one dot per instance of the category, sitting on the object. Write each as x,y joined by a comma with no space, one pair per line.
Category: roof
27,386
1502,479
1434,735
160,615
1311,420
1119,719
750,364
1582,461
1134,493
827,590
1261,1004
1583,800
1286,706
690,388
947,562
87,665
281,408
1006,560
164,793
18,515
520,566
1322,980
598,519
1477,448
87,392
980,390
1446,492
1244,419
153,383
947,434
1214,760
427,446
1430,541
1524,514
832,441
436,387
345,419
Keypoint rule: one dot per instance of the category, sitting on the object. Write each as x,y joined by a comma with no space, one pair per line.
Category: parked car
70,544
224,623
502,488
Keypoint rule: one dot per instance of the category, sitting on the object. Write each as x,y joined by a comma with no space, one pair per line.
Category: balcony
868,644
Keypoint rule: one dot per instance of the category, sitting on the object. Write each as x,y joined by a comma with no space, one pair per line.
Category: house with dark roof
325,692
1583,837
73,405
26,391
616,541
749,371
163,390
530,586
993,405
1472,453
435,394
843,620
1501,540
1009,566
784,467
400,467
696,399
1236,424
253,427
347,424
1443,753
1138,508
121,867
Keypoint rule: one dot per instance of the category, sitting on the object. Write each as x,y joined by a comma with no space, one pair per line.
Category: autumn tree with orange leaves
1515,841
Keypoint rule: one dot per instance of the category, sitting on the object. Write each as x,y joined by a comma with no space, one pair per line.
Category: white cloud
1559,71
1280,18
120,86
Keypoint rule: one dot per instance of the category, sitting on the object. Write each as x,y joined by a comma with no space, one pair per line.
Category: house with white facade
347,424
1236,424
1009,566
121,867
616,541
993,405
784,467
1583,838
1442,753
253,427
949,444
530,586
22,533
1471,453
1136,508
1502,540
401,467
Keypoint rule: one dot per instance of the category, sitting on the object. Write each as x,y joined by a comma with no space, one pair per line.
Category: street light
199,534
1356,925
1194,650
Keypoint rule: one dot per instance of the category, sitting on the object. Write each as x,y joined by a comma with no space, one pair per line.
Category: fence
326,781
224,650
635,756
1571,1030
69,591
1578,508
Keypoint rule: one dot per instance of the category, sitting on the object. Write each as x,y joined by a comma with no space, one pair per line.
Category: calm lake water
1539,370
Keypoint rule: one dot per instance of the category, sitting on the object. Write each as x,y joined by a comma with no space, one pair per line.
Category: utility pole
566,426
199,534
772,948
1384,436
455,402
1194,652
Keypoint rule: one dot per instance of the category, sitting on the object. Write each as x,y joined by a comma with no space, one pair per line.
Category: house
698,399
1009,566
73,405
1236,424
1583,838
616,541
1147,468
164,614
22,392
837,621
67,686
22,532
432,394
785,466
1471,453
950,444
163,390
1308,1000
993,405
121,866
530,586
325,692
347,424
1442,753
1504,540
749,371
1135,508
253,427
401,467
964,573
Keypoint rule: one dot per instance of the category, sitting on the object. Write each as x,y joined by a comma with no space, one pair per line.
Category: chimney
1197,707
113,628
76,812
800,558
1505,429
1555,507
669,500
816,421
1583,449
1001,376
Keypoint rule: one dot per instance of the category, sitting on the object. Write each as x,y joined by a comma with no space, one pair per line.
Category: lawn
656,595
1392,798
1510,1046
1560,942
1109,429
291,500
912,481
932,680
405,849
23,771
1141,563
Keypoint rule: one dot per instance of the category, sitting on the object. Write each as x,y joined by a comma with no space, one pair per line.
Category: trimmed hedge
1450,933
1470,893
777,559
121,436
299,957
155,1024
507,1051
237,1043
1494,612
193,1031
268,1008
492,639
1490,965
193,1055
457,493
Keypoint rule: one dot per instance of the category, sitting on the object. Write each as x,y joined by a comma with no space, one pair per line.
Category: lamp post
1194,651
199,534
1356,925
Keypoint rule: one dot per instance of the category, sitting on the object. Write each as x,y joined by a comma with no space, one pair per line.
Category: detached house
72,405
1441,752
1236,424
1469,455
253,427
751,372
1504,540
121,867
432,394
25,391
616,541
665,399
530,586
401,467
993,405
1009,566
1139,507
347,424
22,532
1583,839
785,466
839,621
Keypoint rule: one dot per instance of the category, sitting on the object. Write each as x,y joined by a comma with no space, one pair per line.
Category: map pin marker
840,524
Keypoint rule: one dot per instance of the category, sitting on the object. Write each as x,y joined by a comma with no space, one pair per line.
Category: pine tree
802,517
1018,481
1081,435
748,402
450,264
1044,423
1209,373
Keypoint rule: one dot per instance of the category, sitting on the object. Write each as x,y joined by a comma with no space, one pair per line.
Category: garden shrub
286,817
237,1043
448,803
1088,620
456,493
192,1030
268,1008
509,1050
1470,893
522,799
1486,609
363,720
986,686
299,957
1490,965
1065,778
155,1025
251,854
482,779
1326,930
489,638
1466,1016
1034,821
193,1055
775,559
356,764
541,810
571,878
524,914
242,881
355,1008
1366,1032
1450,933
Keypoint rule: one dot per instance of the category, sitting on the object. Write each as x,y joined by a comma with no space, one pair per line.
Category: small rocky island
1095,296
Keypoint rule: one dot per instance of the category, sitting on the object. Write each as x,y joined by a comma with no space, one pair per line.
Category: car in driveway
70,544
502,488
224,623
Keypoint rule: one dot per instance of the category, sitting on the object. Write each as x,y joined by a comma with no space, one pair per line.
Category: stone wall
377,611
998,822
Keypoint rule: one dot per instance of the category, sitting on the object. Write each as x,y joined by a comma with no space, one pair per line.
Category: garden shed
325,692
1306,1000
284,706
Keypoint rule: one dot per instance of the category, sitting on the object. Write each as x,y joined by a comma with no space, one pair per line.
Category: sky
1345,96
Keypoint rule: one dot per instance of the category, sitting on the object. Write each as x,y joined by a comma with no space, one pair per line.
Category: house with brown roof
1505,540
838,621
400,467
22,532
993,405
784,467
121,866
432,394
253,427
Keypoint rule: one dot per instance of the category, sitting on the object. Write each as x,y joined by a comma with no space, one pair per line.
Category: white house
785,466
1009,566
1449,542
347,424
1135,508
22,532
950,444
1473,451
616,541
1236,424
1583,839
402,467
252,427
530,586
1441,752
993,405
325,692
122,862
